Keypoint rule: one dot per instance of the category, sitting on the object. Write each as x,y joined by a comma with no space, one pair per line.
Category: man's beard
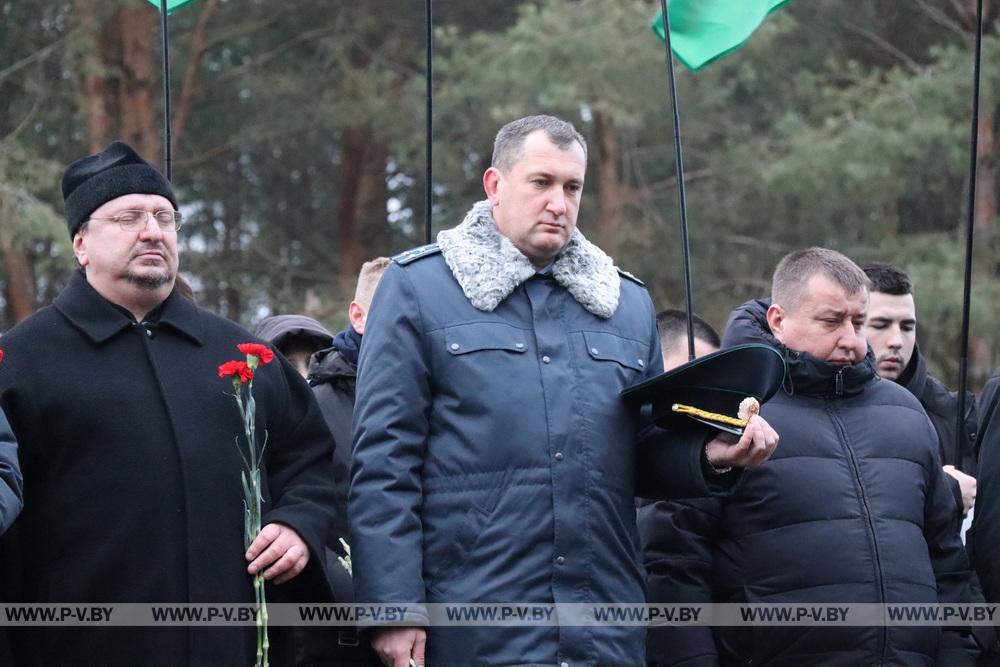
149,281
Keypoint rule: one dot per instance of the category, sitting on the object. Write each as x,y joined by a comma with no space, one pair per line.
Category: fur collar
489,267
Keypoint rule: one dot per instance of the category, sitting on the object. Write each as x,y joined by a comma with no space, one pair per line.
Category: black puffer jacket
332,378
986,524
332,375
852,507
941,406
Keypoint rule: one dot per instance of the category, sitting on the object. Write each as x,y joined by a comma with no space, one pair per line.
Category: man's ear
80,249
358,315
491,184
776,320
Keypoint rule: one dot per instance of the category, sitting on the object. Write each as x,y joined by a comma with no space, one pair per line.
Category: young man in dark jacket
127,442
853,507
333,373
891,329
672,324
297,337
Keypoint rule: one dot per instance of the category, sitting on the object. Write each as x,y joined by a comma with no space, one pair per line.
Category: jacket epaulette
414,254
628,275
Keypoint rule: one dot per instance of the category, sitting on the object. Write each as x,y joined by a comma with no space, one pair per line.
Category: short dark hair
888,279
509,142
797,267
673,327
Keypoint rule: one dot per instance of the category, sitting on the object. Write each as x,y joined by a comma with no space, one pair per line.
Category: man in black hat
853,507
127,442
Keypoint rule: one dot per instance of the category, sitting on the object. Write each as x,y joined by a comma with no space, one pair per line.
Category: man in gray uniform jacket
494,459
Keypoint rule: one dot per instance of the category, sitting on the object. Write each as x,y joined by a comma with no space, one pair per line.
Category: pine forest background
299,141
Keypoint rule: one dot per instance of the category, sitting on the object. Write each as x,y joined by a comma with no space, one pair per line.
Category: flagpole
963,361
429,119
681,196
165,36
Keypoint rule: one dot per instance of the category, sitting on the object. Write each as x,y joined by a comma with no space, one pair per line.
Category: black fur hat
117,170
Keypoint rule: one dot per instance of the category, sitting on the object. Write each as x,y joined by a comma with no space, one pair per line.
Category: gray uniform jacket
494,460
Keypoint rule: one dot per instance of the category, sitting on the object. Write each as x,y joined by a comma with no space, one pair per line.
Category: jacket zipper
869,523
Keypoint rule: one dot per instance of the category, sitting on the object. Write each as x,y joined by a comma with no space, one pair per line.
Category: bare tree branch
968,17
40,54
912,64
31,112
233,144
940,17
650,189
242,31
268,56
189,87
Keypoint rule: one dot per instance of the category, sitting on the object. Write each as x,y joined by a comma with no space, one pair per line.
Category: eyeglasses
135,220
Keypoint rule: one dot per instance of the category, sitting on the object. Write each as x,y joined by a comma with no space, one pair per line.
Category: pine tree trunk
141,116
18,273
362,185
981,362
608,187
94,102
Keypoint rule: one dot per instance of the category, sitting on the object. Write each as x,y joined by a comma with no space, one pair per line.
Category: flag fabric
177,4
703,30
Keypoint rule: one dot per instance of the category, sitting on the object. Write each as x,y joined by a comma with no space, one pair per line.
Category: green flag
177,4
703,30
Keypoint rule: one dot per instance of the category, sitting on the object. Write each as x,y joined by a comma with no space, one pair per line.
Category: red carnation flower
262,352
1,355
239,368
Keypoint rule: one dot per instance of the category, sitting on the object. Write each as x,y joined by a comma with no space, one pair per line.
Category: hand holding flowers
281,548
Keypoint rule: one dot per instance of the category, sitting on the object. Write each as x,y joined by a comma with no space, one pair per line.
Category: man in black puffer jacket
852,508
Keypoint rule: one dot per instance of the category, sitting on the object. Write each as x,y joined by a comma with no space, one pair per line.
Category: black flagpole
429,112
679,160
963,360
165,35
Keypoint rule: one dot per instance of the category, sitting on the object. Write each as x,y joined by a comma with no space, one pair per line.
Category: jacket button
454,346
593,350
519,346
560,560
558,456
641,363
546,359
563,664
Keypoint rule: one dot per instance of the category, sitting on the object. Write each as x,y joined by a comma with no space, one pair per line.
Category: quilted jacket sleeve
950,563
677,549
390,432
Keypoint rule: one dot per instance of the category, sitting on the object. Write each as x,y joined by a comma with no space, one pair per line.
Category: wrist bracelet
715,469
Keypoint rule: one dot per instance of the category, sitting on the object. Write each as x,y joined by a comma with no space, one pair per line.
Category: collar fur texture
488,266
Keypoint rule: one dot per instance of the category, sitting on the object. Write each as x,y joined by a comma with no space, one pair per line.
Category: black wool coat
132,476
